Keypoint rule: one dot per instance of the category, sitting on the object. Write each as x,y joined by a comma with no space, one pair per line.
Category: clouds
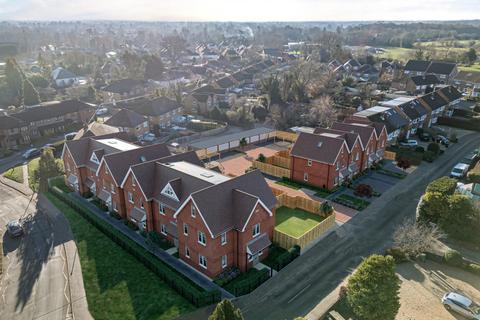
240,10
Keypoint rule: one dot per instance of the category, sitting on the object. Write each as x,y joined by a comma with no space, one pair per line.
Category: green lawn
295,222
117,285
396,53
32,167
15,174
473,68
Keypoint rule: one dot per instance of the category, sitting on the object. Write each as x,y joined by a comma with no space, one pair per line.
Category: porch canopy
138,215
258,244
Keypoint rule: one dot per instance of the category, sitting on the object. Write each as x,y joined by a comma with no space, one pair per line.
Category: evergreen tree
225,310
30,94
372,291
14,77
47,168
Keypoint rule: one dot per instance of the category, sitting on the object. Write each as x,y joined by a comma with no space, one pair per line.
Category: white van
459,171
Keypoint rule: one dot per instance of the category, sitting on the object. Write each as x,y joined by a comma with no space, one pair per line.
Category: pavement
36,282
298,288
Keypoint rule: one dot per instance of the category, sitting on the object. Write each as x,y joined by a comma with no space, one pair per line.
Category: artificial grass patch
295,222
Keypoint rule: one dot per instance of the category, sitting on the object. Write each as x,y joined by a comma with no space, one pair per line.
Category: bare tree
413,238
322,112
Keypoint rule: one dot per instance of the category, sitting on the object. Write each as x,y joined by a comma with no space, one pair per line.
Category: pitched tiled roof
413,109
425,80
95,129
350,137
433,100
123,85
225,82
364,131
228,205
417,65
450,92
152,107
126,118
391,118
7,122
440,67
120,162
51,110
319,147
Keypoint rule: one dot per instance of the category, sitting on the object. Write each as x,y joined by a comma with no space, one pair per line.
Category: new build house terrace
215,221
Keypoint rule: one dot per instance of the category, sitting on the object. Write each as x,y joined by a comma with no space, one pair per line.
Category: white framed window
201,238
130,197
338,166
141,205
224,261
187,252
193,211
223,238
145,124
305,176
114,205
357,156
256,230
112,188
309,163
163,229
161,208
185,229
202,261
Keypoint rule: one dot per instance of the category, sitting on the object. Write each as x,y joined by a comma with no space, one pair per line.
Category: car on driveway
148,137
471,159
31,153
461,304
14,228
409,143
459,171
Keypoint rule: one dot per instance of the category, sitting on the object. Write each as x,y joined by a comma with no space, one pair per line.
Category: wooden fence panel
271,169
283,135
389,155
286,241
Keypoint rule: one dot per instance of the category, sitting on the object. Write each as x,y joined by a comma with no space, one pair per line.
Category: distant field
473,68
396,53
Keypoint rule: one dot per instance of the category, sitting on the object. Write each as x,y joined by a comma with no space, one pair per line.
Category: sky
240,10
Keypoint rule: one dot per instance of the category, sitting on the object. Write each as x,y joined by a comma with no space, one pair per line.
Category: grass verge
117,285
295,222
15,174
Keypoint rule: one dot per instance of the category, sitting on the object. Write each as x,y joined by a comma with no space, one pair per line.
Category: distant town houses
421,84
469,82
63,78
128,121
172,195
44,120
444,71
328,157
125,88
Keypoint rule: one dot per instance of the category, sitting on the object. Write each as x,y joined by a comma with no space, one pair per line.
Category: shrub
155,239
131,225
454,258
226,310
326,208
403,163
143,233
227,276
444,185
261,157
420,149
364,190
429,156
474,267
434,147
115,215
453,136
398,254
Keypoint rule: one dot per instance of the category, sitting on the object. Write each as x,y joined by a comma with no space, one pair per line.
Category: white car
409,143
462,305
101,111
459,171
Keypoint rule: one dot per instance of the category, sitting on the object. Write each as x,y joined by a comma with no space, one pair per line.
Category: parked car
48,146
409,143
70,136
30,153
459,171
148,137
442,140
101,111
471,159
14,228
461,304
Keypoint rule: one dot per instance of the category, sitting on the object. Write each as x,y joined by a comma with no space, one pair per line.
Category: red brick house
328,157
215,221
130,122
82,158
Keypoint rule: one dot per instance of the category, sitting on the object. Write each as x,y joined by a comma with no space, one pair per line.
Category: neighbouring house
452,96
416,67
215,221
63,78
13,132
82,158
421,84
396,123
95,129
53,118
411,109
160,111
226,82
272,54
352,65
468,82
129,121
124,89
205,98
436,104
444,71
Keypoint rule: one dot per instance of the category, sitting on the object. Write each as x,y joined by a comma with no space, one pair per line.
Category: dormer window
94,158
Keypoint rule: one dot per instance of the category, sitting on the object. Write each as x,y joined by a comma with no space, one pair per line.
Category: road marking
299,293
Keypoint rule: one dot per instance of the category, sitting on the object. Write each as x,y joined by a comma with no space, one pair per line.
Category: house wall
132,186
159,219
381,142
105,179
357,149
369,149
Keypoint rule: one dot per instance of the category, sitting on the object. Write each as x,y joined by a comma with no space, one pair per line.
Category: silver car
462,305
14,228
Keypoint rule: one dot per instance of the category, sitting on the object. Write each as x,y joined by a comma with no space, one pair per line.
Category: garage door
223,147
212,149
234,144
253,139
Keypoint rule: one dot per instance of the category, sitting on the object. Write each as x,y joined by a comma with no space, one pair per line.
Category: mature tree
433,147
461,219
30,94
14,77
419,54
431,207
471,55
226,310
414,238
38,81
444,185
271,86
322,113
47,168
243,143
373,289
154,67
261,157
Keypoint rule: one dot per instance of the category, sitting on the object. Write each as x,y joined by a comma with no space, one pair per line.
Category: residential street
308,279
34,282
